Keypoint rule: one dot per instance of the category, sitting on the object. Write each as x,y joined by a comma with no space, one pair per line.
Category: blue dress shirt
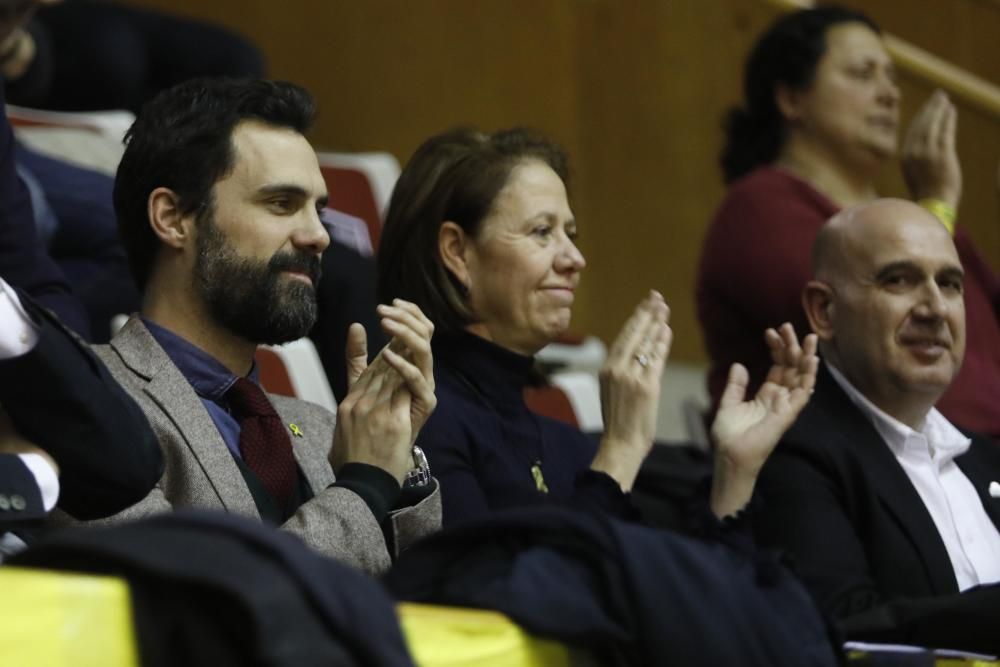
209,378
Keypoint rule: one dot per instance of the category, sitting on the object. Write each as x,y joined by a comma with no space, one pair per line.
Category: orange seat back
351,192
274,376
551,401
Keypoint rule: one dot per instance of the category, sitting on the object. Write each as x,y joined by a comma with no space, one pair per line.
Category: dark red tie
265,445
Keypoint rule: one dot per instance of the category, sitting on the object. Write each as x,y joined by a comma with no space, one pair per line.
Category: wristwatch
420,474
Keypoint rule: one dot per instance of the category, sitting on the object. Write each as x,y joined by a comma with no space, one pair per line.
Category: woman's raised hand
630,390
929,157
745,432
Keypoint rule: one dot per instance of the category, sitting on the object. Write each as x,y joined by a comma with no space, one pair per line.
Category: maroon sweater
756,260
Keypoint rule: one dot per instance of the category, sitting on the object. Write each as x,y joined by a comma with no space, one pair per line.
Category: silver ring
642,359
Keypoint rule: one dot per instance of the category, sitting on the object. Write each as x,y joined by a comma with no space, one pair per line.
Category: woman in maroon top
818,121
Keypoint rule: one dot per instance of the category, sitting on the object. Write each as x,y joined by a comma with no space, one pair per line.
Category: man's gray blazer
201,472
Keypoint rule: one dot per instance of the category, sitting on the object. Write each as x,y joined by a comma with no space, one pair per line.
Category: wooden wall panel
963,32
634,90
655,79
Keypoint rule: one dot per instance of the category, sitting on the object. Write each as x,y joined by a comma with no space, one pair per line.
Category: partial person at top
480,235
817,124
82,55
85,55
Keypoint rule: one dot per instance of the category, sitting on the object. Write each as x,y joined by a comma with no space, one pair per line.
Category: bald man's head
829,251
886,302
857,231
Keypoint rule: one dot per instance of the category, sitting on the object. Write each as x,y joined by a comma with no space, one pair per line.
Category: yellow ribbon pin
296,431
536,472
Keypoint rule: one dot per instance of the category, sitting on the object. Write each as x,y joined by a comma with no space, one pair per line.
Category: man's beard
249,297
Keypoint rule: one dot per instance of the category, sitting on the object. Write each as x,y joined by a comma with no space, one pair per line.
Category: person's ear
453,246
818,302
789,102
171,226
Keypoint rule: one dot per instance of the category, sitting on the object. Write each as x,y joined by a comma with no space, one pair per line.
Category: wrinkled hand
630,390
746,432
389,401
929,157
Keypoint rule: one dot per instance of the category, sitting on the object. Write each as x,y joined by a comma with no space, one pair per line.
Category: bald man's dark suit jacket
834,496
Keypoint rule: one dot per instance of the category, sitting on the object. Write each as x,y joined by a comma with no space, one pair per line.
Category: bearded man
218,198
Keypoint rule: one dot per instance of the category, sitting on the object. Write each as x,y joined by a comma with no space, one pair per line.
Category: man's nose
311,234
933,303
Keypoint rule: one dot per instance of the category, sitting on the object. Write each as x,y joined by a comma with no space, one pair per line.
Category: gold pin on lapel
296,431
536,472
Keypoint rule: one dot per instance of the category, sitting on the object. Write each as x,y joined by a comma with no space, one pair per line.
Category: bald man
875,494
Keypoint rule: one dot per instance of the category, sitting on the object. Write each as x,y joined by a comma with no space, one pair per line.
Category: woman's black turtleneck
482,442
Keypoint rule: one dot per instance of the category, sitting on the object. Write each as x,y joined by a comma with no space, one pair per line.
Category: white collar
937,437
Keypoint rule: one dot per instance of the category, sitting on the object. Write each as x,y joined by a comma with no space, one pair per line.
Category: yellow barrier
916,655
54,619
451,636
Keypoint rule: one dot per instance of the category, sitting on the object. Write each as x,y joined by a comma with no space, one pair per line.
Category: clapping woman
481,236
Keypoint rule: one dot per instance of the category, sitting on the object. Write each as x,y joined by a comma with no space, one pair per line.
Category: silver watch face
420,473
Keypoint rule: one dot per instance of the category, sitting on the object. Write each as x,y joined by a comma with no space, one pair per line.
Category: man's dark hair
786,54
455,176
182,140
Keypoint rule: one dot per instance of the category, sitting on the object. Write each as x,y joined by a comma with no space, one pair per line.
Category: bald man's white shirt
928,457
